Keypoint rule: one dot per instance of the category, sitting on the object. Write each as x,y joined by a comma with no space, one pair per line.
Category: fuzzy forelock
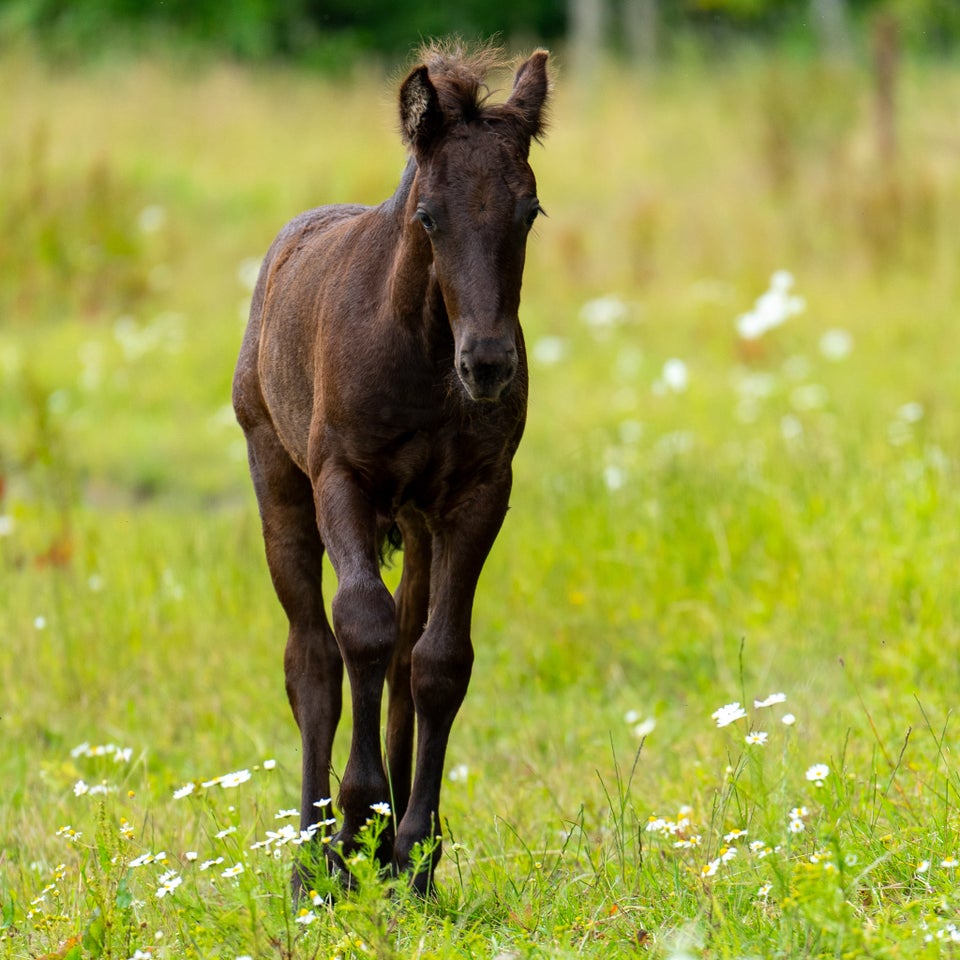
458,73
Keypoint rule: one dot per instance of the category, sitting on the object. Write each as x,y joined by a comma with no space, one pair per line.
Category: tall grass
699,519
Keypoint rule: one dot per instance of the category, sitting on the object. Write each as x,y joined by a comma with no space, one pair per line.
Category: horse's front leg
412,599
364,622
442,661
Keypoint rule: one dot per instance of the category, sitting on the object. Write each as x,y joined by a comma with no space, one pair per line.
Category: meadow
711,711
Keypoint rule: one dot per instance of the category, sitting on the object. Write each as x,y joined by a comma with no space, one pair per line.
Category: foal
382,386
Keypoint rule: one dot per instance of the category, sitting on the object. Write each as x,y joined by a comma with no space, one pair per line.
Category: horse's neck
398,202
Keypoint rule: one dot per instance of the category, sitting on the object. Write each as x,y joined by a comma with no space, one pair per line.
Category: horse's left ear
421,117
529,95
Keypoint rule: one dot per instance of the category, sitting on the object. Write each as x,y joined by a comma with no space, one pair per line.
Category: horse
382,389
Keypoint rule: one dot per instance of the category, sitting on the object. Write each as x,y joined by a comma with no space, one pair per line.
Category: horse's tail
390,543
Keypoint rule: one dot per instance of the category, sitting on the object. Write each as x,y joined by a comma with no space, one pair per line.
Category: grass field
700,518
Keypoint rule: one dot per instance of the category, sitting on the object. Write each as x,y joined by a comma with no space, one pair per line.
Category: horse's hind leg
312,664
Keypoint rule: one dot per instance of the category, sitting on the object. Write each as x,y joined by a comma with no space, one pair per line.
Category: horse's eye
535,212
428,222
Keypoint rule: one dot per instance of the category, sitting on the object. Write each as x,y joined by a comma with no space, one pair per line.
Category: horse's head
474,200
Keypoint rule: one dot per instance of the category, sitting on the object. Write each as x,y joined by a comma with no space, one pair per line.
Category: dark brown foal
382,383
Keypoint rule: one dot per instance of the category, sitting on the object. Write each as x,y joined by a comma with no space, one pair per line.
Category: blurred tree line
331,32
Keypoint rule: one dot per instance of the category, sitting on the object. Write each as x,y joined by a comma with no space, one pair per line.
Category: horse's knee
440,675
364,621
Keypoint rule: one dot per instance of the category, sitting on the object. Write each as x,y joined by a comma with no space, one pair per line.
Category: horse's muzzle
487,366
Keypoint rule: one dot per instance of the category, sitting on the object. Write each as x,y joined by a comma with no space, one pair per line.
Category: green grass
787,522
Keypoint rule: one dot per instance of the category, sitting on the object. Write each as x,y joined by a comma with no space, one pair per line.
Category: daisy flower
756,738
168,883
233,871
818,773
382,808
184,791
234,779
728,713
770,701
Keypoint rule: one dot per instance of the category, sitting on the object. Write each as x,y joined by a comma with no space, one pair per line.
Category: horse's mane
458,73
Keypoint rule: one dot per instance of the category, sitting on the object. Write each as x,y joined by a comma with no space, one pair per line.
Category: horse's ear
530,89
421,118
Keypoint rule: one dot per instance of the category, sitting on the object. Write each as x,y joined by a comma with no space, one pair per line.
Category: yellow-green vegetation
740,480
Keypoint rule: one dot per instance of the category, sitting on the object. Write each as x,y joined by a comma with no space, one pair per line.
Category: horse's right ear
421,118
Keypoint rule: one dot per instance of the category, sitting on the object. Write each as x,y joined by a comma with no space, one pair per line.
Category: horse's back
275,370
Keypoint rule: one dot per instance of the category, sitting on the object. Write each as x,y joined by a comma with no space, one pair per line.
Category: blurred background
330,33
737,311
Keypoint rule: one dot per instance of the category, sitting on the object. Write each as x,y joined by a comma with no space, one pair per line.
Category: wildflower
764,891
151,218
796,826
207,864
233,871
644,728
40,622
836,344
911,412
80,788
603,313
710,869
798,813
771,309
922,867
234,779
689,843
727,714
126,829
190,855
614,477
226,832
727,854
269,764
69,833
760,848
305,917
674,377
382,808
325,802
283,814
734,835
756,738
6,525
950,863
184,791
788,719
459,773
168,883
818,773
770,701
549,350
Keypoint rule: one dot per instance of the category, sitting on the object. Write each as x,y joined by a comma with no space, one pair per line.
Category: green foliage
333,34
699,518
